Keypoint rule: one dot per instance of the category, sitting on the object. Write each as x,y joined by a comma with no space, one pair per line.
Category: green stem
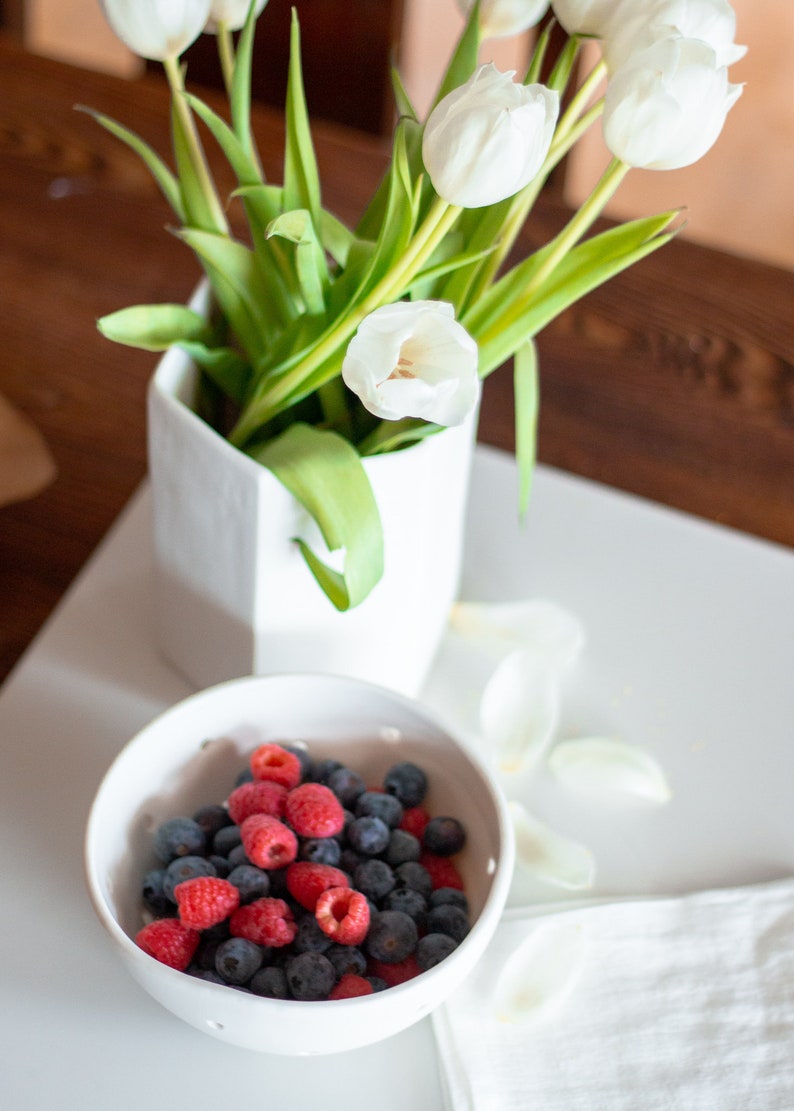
226,55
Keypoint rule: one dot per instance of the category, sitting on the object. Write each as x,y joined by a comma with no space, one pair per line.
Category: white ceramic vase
233,595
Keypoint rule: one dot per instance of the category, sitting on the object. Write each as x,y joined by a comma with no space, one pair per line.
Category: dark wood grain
675,381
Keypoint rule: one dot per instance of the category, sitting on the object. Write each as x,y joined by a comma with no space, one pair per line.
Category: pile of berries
307,883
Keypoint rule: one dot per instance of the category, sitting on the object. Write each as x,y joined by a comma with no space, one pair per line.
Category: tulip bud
488,138
231,13
157,29
711,21
501,18
413,359
666,106
584,17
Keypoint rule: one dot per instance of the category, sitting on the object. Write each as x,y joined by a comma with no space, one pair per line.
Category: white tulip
634,27
157,29
413,359
666,106
232,13
488,138
501,18
584,17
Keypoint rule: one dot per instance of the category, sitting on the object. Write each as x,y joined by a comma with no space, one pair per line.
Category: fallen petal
549,856
535,624
519,711
26,465
541,972
605,767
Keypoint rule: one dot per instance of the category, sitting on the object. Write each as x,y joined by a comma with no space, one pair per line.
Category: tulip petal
537,625
604,767
540,974
547,855
519,711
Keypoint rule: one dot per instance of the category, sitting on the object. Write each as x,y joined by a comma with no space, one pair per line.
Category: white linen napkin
679,1004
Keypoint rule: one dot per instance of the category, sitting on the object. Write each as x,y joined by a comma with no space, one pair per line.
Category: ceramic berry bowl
192,756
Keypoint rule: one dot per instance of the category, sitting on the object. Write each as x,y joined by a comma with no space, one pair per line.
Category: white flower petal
535,624
540,974
501,18
519,711
230,12
606,767
157,29
549,856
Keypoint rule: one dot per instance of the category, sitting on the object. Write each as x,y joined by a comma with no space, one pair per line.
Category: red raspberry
313,810
168,941
205,901
268,843
414,820
343,915
351,986
263,796
275,763
265,922
307,881
443,871
394,974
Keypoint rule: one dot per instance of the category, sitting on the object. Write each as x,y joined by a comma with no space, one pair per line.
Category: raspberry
268,843
414,820
343,915
168,941
313,810
351,986
205,901
263,796
275,763
265,921
394,973
306,881
443,871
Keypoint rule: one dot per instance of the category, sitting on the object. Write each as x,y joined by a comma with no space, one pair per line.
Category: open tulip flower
331,343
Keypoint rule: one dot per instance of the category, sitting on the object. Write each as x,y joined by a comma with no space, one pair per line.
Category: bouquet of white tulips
332,343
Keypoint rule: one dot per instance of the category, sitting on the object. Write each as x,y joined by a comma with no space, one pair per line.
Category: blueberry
347,785
402,846
368,836
444,836
238,856
414,875
449,895
349,860
185,868
377,805
211,818
237,959
320,850
433,948
250,881
179,837
208,974
278,883
322,769
310,976
407,782
447,919
374,878
310,938
408,901
377,983
154,897
392,936
304,757
346,958
226,839
220,864
245,776
270,982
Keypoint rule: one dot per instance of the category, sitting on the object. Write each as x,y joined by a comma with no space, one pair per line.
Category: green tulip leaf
225,366
301,176
154,327
240,98
324,473
526,397
310,266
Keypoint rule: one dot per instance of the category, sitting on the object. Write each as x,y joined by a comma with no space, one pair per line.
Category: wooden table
675,381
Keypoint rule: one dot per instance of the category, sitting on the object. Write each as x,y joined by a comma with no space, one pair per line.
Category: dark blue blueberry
304,757
278,883
402,847
220,864
349,860
433,948
347,785
392,936
211,818
368,836
250,881
374,878
377,983
237,856
245,776
179,837
185,868
310,938
444,836
208,974
270,982
226,839
320,850
322,769
219,932
310,976
408,901
407,782
448,919
204,958
449,895
237,959
346,958
376,804
154,897
414,875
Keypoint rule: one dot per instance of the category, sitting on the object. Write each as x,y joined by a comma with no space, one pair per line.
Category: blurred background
738,197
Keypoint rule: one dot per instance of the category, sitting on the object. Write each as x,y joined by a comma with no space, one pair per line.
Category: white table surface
690,631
